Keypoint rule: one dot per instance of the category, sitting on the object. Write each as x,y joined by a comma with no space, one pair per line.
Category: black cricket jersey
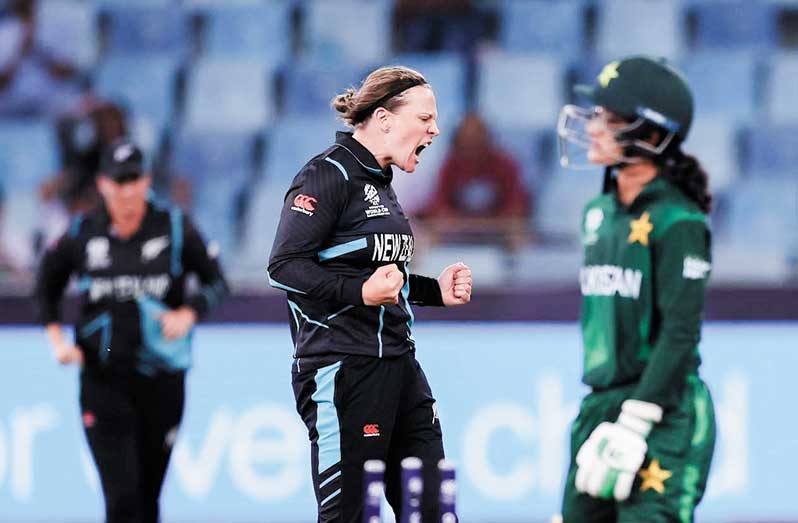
125,284
340,221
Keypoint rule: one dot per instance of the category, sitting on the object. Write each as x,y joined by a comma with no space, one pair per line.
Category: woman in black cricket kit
134,328
341,253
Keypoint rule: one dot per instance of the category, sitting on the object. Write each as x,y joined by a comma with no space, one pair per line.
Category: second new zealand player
134,329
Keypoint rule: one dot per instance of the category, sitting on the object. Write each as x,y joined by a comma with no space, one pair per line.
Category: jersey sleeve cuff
425,291
352,291
199,304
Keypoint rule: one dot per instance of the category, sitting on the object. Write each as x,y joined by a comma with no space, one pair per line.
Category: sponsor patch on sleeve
695,268
304,204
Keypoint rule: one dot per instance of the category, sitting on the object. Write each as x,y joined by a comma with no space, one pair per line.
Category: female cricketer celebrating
342,252
643,440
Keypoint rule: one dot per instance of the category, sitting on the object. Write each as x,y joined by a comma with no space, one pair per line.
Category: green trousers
674,475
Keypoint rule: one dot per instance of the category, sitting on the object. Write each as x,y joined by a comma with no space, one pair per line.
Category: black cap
649,88
122,160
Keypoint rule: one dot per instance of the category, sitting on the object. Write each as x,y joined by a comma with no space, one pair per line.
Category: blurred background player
342,253
643,440
134,329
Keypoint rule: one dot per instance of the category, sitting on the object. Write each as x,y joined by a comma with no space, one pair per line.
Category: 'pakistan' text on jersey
645,270
341,221
124,285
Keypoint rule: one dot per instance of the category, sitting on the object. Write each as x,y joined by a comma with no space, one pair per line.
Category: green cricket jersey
645,270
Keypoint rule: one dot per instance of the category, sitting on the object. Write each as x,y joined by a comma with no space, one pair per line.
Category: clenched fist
382,287
456,283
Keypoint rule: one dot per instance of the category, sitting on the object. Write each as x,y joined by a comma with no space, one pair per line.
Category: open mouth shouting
419,149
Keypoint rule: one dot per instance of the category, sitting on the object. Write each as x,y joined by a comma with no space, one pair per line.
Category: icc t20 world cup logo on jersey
593,220
371,195
97,253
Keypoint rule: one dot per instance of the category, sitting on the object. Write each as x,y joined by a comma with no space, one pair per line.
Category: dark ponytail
682,170
686,173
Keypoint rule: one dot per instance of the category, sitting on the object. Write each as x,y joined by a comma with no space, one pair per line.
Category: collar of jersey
363,156
651,191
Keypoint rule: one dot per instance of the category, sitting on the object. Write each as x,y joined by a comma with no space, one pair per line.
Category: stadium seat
214,204
230,94
28,153
309,86
28,156
147,28
714,142
148,136
559,210
68,30
155,3
504,100
333,30
145,86
292,143
556,27
734,24
762,211
254,30
214,155
446,72
771,148
260,227
534,148
620,33
723,83
19,226
779,96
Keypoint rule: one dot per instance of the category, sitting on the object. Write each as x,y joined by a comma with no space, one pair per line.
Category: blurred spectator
437,25
479,191
33,82
82,136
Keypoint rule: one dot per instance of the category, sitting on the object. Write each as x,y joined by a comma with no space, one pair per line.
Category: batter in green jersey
642,443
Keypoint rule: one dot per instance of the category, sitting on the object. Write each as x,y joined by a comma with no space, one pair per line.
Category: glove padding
610,458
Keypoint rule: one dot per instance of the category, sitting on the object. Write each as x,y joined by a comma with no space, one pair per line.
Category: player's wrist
190,312
639,416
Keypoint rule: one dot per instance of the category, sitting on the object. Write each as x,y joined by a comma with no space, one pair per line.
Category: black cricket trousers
131,423
360,408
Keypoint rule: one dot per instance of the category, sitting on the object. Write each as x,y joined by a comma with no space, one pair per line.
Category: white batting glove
610,458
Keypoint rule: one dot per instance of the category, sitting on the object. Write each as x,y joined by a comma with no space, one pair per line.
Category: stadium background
231,97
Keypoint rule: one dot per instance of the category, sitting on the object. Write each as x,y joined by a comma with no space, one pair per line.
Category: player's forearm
209,297
49,308
669,362
51,281
55,334
305,276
